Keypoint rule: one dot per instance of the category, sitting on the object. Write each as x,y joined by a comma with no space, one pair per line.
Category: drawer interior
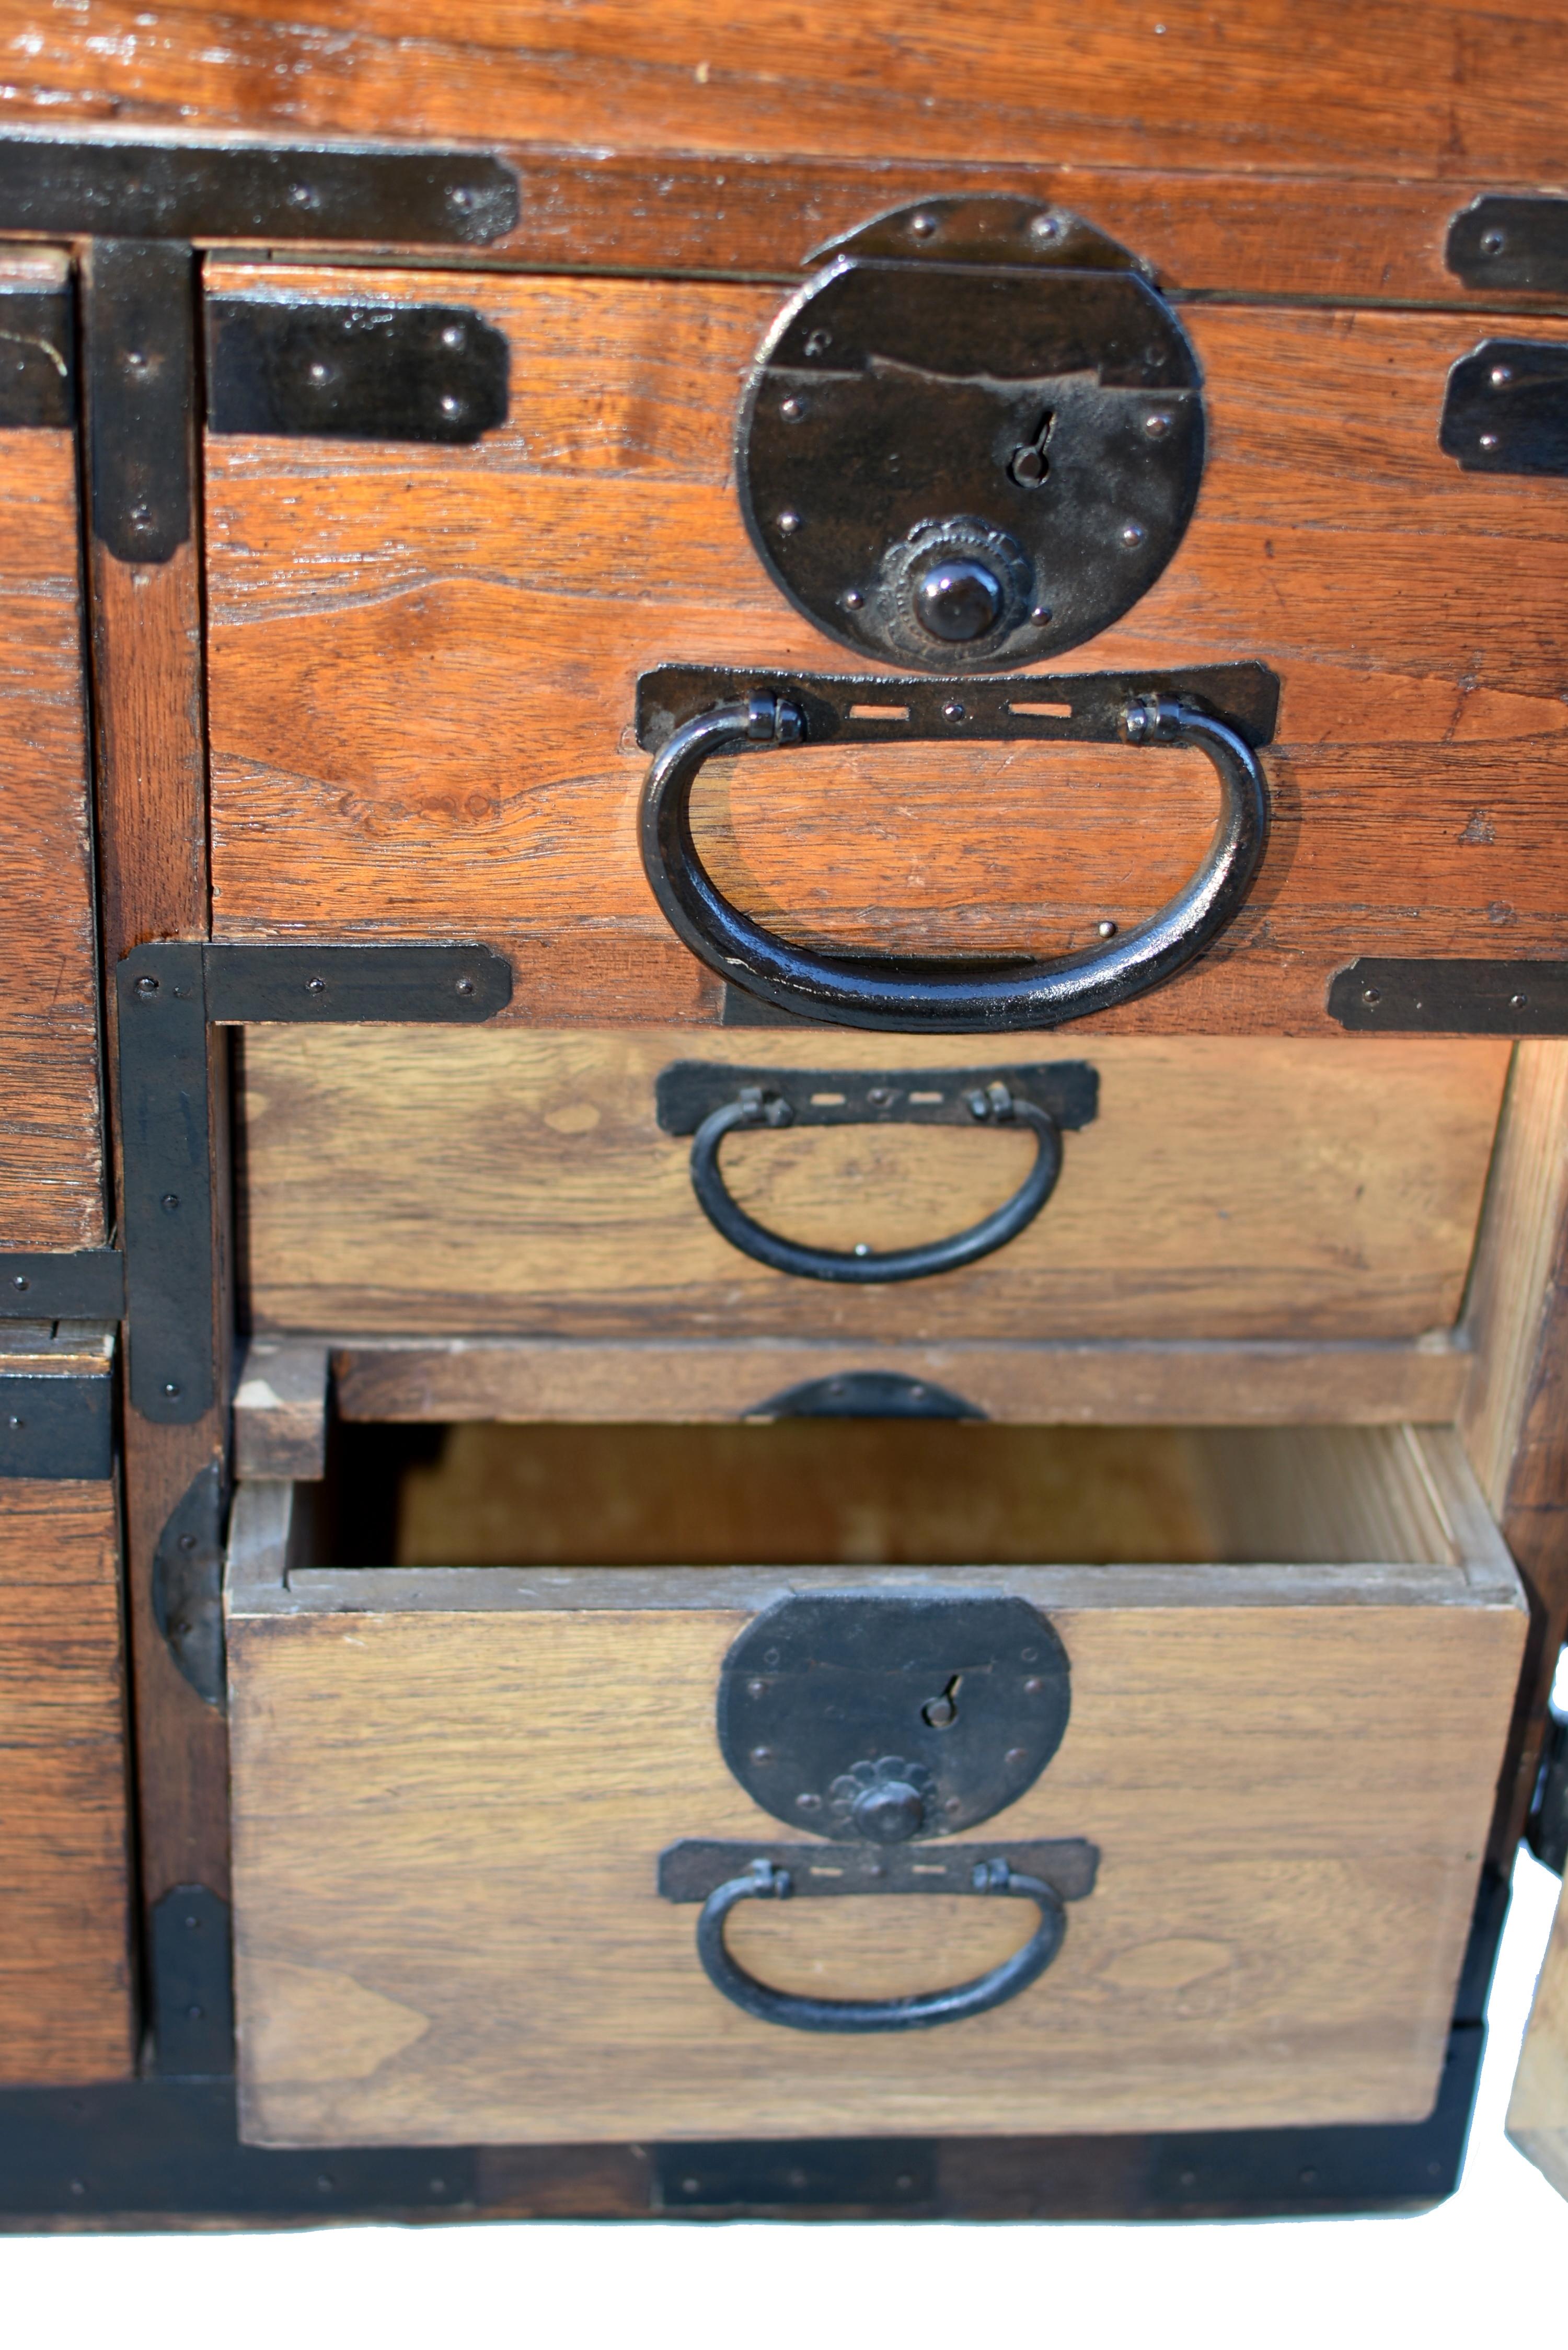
1290,1655
851,1492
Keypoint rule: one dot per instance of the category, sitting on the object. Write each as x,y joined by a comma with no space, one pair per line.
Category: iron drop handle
896,992
765,1881
756,1108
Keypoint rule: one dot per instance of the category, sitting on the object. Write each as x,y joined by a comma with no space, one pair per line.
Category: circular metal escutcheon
973,438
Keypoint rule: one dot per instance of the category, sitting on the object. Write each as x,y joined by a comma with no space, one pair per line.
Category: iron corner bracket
170,995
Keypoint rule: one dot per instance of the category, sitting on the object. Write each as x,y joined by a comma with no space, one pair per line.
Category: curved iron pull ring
899,993
755,1107
764,1882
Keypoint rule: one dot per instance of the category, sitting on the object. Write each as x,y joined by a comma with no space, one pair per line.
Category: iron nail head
789,522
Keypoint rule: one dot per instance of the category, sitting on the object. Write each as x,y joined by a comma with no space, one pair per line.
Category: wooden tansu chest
784,1153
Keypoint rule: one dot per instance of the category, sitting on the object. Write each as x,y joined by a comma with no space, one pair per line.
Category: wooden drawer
51,1144
452,1785
423,663
405,1181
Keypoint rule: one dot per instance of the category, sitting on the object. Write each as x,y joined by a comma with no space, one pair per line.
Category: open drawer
1233,1702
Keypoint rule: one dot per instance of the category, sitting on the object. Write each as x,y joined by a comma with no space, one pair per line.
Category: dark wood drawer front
424,662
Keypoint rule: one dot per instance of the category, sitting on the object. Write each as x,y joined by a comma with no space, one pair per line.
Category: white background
1488,2267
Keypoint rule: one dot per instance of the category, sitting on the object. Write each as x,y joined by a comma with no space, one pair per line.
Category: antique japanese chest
785,1068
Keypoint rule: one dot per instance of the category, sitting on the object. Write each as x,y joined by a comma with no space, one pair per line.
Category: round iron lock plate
968,444
885,1716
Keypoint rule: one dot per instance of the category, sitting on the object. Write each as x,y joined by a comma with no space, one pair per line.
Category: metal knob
958,599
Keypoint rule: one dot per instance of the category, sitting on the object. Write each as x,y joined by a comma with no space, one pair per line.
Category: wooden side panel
51,1144
1538,2109
423,664
406,1180
65,1986
1515,1411
1402,87
447,1825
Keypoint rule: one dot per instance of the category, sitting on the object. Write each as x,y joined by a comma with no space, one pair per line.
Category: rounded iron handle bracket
764,1881
756,1108
902,992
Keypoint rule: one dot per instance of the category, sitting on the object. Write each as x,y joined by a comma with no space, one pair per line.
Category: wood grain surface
831,1492
423,663
1400,89
1513,1418
1538,2109
66,2011
516,1180
1085,1382
51,1139
450,1801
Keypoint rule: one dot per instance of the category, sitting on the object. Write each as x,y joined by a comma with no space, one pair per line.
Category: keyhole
1030,465
942,1712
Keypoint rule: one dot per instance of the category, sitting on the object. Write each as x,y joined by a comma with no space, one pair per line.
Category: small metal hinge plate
190,1970
205,190
1512,245
1395,995
1506,409
354,370
70,1285
689,1091
56,1424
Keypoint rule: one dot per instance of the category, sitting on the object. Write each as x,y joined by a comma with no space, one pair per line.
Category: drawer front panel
508,1181
51,1148
452,1789
423,663
64,1978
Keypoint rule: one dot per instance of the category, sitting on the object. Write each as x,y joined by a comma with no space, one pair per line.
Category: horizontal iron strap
1087,708
201,190
689,1091
415,372
1396,995
697,1866
346,983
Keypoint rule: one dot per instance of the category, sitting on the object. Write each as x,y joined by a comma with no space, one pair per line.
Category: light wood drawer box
518,1182
452,1785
